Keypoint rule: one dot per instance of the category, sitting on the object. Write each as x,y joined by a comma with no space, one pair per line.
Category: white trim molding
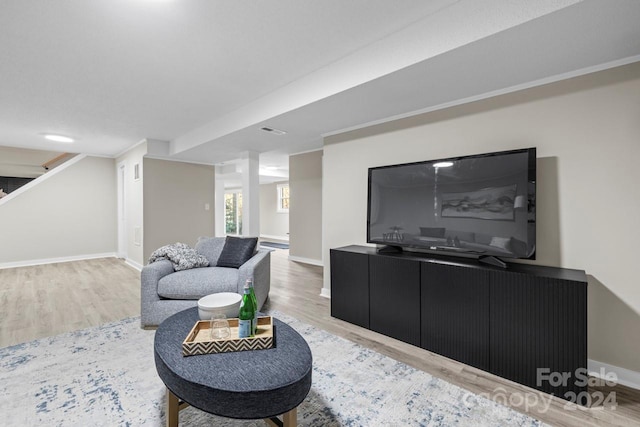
624,376
325,293
133,264
306,260
29,263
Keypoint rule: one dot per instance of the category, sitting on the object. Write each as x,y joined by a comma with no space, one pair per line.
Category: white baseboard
269,236
325,293
306,260
133,264
55,260
624,376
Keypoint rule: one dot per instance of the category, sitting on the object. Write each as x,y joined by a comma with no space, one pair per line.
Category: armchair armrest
149,278
258,268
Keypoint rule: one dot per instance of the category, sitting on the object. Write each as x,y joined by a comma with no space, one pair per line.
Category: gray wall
69,214
273,224
305,213
586,130
175,194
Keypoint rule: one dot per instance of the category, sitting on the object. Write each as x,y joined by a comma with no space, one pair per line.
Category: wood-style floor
50,299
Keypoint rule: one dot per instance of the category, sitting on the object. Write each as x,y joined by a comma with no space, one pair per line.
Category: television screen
480,205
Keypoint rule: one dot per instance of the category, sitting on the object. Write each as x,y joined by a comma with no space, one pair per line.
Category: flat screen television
475,206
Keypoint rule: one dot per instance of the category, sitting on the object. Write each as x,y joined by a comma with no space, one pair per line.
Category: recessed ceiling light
443,164
58,138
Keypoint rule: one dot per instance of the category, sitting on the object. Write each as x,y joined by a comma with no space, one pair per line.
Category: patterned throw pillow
237,251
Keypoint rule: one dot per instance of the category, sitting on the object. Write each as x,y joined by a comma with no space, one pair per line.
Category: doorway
233,212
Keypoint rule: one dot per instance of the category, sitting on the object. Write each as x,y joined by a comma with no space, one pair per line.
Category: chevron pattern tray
199,339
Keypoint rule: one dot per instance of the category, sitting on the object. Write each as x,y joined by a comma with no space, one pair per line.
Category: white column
249,165
219,226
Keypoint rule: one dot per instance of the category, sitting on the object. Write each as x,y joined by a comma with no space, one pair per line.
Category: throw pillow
237,251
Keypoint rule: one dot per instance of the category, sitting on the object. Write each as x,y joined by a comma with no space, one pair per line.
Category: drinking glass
219,327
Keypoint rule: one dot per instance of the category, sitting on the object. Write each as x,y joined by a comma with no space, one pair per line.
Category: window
233,212
283,198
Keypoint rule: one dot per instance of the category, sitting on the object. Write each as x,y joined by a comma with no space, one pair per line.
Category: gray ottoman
246,385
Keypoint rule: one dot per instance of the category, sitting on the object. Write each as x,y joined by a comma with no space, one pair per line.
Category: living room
579,110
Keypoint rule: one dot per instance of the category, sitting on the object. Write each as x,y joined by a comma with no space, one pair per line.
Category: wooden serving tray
199,340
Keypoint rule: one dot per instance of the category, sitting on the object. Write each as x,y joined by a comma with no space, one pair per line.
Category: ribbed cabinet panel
538,323
394,296
455,313
350,287
509,322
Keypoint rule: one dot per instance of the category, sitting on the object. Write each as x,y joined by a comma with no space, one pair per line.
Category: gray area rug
105,376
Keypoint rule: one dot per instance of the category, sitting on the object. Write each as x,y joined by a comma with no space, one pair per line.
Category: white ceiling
202,76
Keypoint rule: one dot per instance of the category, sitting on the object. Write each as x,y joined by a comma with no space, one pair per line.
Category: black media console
525,323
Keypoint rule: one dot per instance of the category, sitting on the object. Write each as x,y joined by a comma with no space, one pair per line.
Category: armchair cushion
198,282
210,247
237,251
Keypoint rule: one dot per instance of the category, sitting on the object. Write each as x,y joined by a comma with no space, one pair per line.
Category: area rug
105,376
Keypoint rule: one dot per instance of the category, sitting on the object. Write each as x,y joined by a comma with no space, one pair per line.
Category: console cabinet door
395,298
350,287
455,313
538,323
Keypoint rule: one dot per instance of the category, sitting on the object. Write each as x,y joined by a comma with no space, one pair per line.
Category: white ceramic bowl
227,303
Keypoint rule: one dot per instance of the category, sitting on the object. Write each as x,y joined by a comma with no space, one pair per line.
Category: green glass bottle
255,305
246,314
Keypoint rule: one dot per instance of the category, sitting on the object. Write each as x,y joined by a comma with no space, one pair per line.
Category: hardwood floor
50,299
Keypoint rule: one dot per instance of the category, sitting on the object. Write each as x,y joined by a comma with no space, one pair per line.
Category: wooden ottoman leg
173,407
289,419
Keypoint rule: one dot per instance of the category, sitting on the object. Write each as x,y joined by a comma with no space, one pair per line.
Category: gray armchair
165,292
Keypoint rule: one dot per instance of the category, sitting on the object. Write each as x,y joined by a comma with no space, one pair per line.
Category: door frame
121,173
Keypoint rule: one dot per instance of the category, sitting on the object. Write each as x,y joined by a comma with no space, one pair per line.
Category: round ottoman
227,303
246,384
